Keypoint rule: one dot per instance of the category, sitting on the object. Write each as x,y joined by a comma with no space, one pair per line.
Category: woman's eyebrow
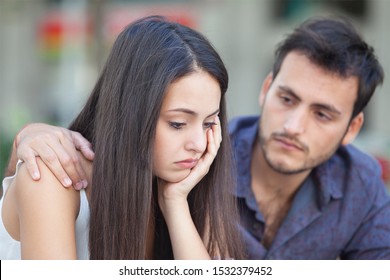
190,112
215,112
183,110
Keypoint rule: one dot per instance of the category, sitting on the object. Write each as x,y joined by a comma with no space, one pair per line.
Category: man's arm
57,147
371,241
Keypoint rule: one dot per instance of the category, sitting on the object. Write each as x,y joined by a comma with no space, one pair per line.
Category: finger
83,145
212,142
213,145
50,158
30,160
217,130
70,161
220,129
204,163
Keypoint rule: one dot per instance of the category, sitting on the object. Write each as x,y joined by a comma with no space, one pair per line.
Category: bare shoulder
47,214
47,186
34,210
45,201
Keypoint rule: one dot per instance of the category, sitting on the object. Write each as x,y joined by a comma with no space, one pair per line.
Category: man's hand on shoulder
57,147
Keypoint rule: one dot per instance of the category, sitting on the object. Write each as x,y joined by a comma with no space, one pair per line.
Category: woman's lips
187,164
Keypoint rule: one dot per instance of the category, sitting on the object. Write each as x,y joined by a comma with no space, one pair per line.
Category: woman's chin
175,178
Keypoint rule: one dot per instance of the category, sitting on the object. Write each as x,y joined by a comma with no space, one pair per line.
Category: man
303,191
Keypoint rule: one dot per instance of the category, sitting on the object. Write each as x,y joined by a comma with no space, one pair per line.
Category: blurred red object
58,27
385,165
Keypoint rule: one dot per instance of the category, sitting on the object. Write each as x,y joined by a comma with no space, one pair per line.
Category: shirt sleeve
372,238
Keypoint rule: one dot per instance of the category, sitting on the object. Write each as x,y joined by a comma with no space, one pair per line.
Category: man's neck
273,191
271,182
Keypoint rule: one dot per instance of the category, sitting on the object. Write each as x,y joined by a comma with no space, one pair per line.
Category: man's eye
324,117
286,100
176,125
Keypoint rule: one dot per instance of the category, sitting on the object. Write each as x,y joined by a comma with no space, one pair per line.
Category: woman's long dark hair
120,120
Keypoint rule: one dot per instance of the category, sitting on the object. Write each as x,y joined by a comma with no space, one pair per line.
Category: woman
158,189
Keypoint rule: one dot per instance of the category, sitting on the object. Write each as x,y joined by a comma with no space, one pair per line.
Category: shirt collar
328,186
243,145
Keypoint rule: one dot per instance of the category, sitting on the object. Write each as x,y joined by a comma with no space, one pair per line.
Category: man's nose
296,122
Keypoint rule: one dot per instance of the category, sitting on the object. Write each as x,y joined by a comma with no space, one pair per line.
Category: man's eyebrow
190,112
327,107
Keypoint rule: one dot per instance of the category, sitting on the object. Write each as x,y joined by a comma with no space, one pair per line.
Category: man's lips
288,144
187,163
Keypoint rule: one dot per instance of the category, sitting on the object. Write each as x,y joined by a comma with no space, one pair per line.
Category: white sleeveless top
10,248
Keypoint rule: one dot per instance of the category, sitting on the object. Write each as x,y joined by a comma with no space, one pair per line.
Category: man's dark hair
335,46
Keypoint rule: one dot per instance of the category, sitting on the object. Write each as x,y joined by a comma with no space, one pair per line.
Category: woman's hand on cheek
175,193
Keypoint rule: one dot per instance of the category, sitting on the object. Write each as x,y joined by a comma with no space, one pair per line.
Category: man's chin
287,171
284,168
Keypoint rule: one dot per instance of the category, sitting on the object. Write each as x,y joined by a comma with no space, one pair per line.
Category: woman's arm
185,239
186,242
47,214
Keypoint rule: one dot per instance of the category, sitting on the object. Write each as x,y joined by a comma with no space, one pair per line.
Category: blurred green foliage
5,150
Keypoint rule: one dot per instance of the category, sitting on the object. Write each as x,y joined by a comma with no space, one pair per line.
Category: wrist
172,207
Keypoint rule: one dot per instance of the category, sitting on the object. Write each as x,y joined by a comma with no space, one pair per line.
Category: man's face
306,115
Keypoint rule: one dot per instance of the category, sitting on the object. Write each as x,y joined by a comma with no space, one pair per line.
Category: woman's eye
209,124
176,125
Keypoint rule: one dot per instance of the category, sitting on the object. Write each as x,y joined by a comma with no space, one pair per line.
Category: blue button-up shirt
342,210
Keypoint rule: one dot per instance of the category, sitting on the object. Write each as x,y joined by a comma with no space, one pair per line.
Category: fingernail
67,182
35,175
85,183
79,185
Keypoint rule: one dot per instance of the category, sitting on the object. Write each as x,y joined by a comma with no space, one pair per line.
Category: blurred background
51,52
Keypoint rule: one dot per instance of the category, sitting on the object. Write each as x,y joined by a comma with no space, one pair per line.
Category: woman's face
187,113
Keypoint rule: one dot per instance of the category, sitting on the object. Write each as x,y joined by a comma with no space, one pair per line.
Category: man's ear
353,129
265,87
